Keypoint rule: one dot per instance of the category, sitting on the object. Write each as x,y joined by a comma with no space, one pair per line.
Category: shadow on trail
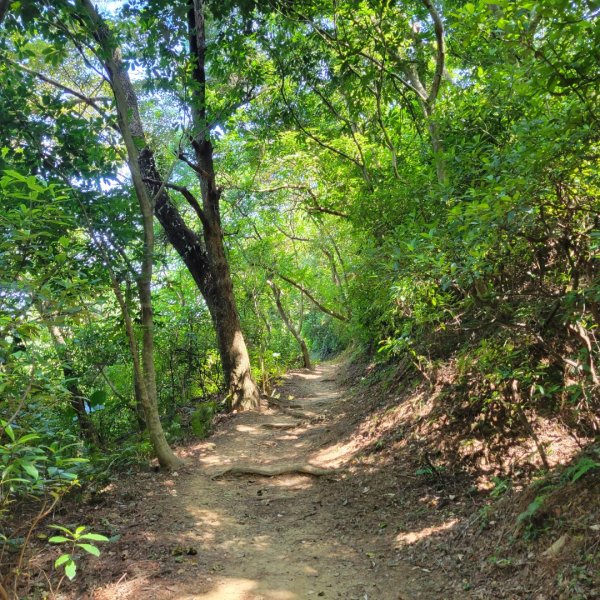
289,537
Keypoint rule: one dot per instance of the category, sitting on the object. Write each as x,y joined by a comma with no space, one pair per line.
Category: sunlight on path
239,589
267,538
240,535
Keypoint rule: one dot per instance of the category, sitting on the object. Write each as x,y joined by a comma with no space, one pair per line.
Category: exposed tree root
298,414
289,409
283,404
275,470
280,425
312,417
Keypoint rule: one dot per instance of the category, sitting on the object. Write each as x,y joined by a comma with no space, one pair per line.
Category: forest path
294,536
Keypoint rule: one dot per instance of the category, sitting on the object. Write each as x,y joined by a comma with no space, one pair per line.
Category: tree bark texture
204,256
218,288
131,129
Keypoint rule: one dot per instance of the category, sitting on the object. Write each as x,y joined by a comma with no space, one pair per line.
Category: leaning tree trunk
243,392
137,383
130,127
288,323
205,258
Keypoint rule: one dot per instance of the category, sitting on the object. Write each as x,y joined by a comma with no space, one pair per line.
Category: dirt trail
250,537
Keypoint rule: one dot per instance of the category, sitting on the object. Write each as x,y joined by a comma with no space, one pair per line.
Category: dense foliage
419,180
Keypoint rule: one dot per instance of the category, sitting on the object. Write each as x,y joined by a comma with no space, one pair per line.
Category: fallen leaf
557,547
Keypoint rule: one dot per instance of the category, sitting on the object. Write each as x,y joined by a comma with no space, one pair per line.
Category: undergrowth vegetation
416,180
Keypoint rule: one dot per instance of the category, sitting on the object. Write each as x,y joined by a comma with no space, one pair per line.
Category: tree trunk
243,393
86,426
4,6
165,455
438,158
163,451
288,323
437,146
131,129
242,390
428,98
440,62
207,263
204,257
139,407
137,386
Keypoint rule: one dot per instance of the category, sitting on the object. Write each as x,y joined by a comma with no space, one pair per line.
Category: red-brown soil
382,519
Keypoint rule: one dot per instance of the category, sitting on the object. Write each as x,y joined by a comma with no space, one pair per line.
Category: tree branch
314,137
191,199
441,52
92,102
328,211
322,308
192,165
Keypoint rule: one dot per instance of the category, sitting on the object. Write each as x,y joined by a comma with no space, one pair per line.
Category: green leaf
583,466
30,470
58,539
73,461
93,536
97,397
90,548
28,438
61,528
533,507
70,569
9,432
61,560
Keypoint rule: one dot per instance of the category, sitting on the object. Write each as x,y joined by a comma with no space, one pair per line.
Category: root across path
259,512
275,470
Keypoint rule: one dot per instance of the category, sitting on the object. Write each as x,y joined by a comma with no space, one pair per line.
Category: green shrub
202,419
